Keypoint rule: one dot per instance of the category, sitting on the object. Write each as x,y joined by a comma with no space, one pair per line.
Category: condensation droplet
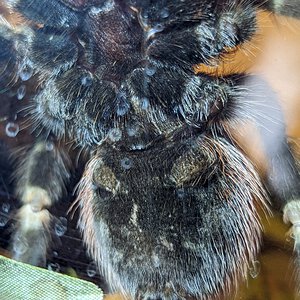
138,147
60,226
105,7
156,29
21,92
12,129
145,14
55,267
254,270
145,103
180,193
95,10
49,146
26,72
156,261
122,110
123,105
126,163
132,130
91,269
87,80
20,245
150,70
165,13
114,134
3,220
159,27
5,207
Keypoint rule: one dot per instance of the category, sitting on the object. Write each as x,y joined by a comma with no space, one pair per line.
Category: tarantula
167,198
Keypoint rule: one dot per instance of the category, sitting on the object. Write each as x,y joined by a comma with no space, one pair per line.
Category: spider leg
290,8
45,12
8,55
41,179
283,174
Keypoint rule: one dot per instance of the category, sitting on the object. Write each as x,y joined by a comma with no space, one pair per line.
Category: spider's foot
30,240
291,213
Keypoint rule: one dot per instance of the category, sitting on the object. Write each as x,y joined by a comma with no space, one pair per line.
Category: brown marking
104,177
190,165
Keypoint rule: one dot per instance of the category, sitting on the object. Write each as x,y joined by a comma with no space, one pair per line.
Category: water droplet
20,245
95,10
150,70
176,109
60,226
145,103
132,130
114,134
254,270
91,269
156,261
26,72
49,146
87,79
159,27
21,92
5,207
126,163
55,267
122,110
156,29
3,220
55,253
137,147
165,13
123,105
145,14
12,129
105,7
180,193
